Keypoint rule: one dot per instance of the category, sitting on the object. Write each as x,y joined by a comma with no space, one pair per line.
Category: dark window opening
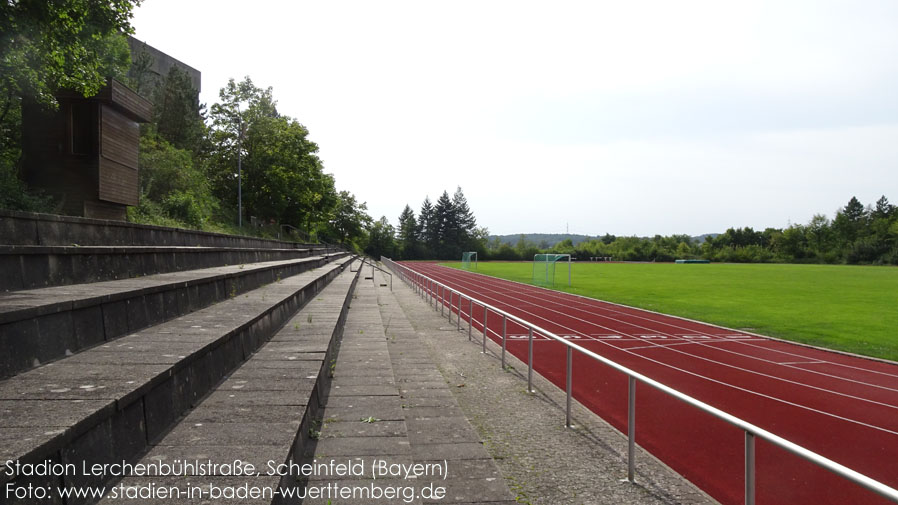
80,128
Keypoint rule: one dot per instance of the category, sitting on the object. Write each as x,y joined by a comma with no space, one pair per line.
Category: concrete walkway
392,421
543,462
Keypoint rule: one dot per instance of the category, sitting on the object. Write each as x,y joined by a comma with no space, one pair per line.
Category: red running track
842,407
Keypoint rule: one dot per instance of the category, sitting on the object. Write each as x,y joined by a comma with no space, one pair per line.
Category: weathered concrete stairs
140,347
103,372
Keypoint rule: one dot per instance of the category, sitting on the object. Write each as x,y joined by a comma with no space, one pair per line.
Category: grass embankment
850,308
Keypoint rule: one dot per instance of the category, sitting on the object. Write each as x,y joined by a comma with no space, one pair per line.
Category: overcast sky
625,117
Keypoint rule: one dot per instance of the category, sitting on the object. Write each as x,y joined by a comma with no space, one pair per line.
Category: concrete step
31,267
40,325
262,413
106,404
29,228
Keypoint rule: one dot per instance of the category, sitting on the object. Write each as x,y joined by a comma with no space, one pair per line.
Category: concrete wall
162,63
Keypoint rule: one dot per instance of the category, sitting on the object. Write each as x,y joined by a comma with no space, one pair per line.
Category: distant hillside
546,240
542,240
701,238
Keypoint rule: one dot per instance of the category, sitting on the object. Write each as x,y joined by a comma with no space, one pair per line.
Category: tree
849,222
350,220
283,178
428,227
464,218
380,239
172,186
883,209
63,44
177,112
407,234
447,226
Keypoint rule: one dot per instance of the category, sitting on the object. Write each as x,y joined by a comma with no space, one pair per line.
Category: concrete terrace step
105,404
389,405
28,228
40,325
30,267
262,413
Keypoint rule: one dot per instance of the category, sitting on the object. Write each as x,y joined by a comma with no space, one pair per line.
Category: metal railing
435,293
373,266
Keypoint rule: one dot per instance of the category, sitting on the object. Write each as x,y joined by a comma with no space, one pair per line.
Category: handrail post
451,295
749,468
485,312
470,316
442,301
631,430
570,367
504,333
530,362
458,314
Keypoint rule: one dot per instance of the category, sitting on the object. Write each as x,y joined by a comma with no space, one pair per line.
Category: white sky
627,117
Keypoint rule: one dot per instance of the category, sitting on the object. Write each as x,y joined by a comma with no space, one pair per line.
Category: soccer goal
466,258
544,268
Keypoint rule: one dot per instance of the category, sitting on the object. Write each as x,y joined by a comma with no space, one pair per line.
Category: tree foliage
856,235
282,177
441,231
177,113
63,44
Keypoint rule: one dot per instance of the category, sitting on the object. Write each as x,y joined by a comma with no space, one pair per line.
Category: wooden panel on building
85,153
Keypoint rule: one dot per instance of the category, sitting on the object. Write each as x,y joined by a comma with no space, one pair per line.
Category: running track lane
842,407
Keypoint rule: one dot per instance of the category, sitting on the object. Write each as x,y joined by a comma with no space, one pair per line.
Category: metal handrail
435,292
373,266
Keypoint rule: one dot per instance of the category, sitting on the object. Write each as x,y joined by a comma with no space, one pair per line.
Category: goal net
466,258
544,268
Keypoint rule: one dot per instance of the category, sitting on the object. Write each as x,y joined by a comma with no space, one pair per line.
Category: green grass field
850,308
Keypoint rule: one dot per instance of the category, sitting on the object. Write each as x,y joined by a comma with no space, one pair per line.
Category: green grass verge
850,308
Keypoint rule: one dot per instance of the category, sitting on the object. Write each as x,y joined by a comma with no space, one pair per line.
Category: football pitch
849,308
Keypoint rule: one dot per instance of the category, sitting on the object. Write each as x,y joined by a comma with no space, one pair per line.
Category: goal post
544,268
467,257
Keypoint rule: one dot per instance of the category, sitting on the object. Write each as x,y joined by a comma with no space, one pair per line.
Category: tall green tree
407,234
464,218
883,209
428,228
177,113
282,177
381,241
850,222
350,220
447,226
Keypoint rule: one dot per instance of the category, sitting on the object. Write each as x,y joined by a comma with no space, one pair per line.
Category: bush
172,189
14,195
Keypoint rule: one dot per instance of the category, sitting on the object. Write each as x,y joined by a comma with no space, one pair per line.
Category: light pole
239,169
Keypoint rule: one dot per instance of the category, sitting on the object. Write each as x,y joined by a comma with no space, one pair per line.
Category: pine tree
467,224
883,209
428,228
448,227
407,234
854,211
